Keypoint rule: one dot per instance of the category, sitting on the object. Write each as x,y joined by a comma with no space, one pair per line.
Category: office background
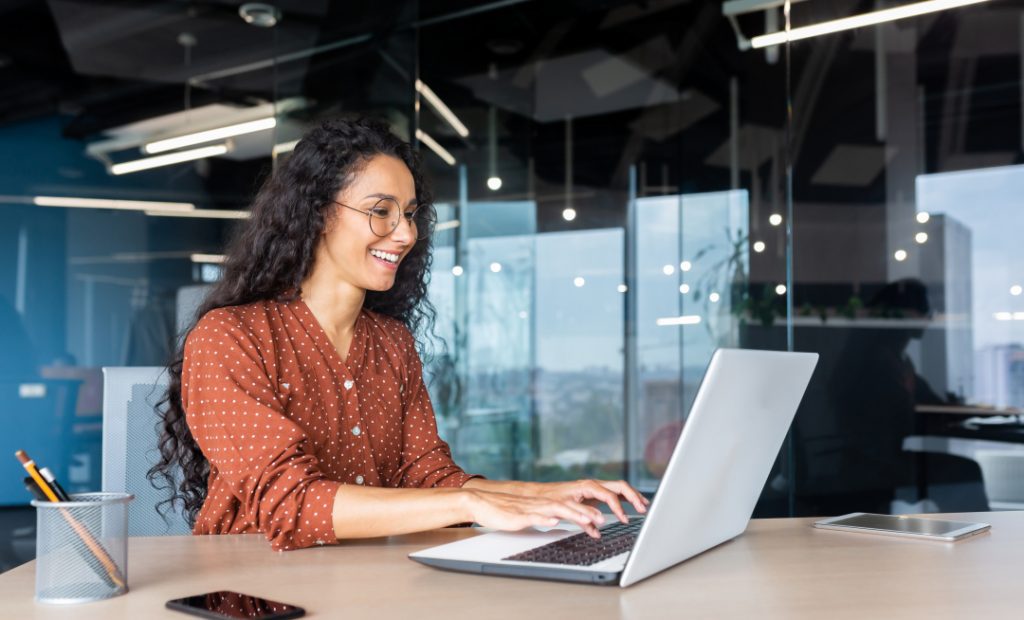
622,187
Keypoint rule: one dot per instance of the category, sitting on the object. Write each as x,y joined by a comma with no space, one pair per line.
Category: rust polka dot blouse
284,421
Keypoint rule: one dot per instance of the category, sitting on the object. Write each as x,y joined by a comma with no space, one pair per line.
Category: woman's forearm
367,512
515,487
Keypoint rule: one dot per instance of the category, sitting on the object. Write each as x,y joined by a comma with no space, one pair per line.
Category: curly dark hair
272,256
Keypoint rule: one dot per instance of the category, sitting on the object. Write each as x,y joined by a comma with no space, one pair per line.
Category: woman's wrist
515,487
465,505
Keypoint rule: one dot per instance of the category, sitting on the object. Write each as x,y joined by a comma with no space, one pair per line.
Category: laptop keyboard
582,550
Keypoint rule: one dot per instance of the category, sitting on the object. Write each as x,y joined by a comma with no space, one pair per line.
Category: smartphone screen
227,604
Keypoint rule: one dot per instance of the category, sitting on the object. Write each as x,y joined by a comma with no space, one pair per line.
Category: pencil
83,532
30,467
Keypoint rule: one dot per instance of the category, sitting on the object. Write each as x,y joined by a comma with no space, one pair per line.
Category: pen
33,488
94,546
50,479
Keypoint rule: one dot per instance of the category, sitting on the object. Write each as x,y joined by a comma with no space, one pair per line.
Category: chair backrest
130,435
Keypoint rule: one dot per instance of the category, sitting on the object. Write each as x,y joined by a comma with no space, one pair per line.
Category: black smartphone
227,604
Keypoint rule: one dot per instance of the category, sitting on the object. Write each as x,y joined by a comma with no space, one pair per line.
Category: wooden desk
781,568
967,410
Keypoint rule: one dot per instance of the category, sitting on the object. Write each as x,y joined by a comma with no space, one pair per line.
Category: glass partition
622,187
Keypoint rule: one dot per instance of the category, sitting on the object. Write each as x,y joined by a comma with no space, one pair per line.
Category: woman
297,407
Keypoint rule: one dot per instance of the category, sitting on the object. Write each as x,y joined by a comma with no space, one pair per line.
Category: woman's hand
512,512
610,492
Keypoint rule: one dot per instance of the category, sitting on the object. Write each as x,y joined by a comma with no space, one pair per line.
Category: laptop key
582,550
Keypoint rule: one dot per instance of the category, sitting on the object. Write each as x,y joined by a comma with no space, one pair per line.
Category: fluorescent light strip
222,214
691,319
432,144
859,21
439,106
209,135
1009,316
166,160
106,203
450,224
284,147
208,258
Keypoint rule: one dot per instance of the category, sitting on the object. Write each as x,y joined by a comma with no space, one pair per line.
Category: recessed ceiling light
260,14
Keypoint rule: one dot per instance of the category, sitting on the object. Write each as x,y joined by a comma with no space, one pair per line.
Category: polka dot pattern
284,421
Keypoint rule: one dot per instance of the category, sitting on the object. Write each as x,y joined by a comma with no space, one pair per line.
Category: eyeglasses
385,215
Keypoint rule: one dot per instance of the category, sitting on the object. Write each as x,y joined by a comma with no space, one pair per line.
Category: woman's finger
539,520
576,501
564,511
621,487
598,491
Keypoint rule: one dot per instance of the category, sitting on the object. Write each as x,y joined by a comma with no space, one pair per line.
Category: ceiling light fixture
443,110
208,258
210,135
449,225
260,14
217,214
690,319
166,160
493,181
107,203
432,144
859,21
284,147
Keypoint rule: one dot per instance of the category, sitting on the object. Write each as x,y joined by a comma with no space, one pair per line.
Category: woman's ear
330,215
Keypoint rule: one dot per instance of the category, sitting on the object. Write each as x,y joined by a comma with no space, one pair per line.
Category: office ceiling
643,79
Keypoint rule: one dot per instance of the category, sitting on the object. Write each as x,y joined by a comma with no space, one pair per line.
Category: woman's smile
389,260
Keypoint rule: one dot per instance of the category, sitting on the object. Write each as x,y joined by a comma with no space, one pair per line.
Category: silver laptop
735,429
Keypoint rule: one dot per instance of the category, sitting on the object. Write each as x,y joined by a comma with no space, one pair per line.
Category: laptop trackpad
493,547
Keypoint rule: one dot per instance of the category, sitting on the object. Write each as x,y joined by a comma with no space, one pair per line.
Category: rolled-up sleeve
256,450
426,458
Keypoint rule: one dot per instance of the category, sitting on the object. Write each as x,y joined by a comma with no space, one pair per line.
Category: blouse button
356,431
348,384
359,479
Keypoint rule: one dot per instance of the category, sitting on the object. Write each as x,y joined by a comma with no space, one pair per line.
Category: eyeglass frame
410,219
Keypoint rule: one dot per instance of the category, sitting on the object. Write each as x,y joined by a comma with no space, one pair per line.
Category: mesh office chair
130,439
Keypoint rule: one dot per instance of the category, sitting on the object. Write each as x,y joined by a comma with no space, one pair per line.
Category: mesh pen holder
82,548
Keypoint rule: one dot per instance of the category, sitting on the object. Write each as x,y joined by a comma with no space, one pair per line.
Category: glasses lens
424,219
384,217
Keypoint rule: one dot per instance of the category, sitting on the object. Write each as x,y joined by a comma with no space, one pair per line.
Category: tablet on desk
901,525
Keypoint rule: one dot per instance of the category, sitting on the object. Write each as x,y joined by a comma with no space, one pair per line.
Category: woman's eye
379,212
410,215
